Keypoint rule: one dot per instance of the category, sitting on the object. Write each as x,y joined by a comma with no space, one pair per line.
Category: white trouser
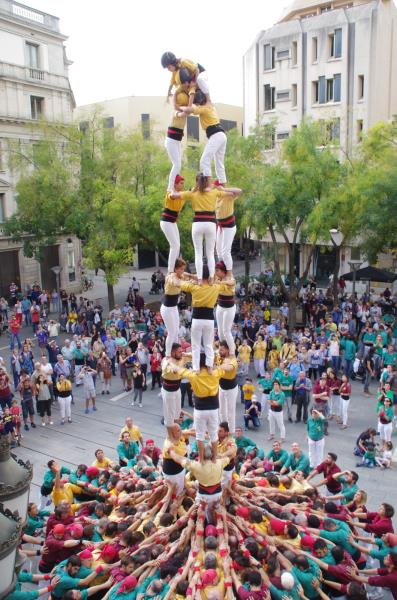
244,366
170,316
215,150
207,232
316,452
227,477
227,407
206,420
345,408
336,408
65,406
265,405
178,480
202,328
224,241
259,364
171,232
174,149
202,82
385,431
277,418
224,321
171,406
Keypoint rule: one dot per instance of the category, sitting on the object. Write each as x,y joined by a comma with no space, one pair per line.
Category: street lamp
354,265
57,272
337,240
10,532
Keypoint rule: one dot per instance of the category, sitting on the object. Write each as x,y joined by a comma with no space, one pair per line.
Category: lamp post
337,240
57,272
354,265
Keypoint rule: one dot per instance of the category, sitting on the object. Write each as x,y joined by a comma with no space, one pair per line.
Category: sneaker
43,424
63,422
107,392
69,420
51,423
33,425
86,411
140,405
26,427
132,403
103,392
94,408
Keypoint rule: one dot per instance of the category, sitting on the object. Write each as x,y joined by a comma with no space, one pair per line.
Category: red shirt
245,594
378,525
328,471
56,552
319,389
155,362
5,391
278,526
14,325
340,571
387,579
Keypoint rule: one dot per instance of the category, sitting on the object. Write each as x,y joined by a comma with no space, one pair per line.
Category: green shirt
244,442
280,457
37,522
18,594
382,551
49,476
350,350
305,578
287,380
390,359
300,463
278,397
315,429
339,537
129,452
66,583
348,491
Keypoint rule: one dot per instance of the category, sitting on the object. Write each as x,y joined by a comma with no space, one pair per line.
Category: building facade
152,115
34,84
332,60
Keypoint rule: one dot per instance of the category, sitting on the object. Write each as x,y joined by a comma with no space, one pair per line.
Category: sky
116,45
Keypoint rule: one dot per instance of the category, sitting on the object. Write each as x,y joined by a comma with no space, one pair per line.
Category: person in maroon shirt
152,452
384,578
377,523
328,468
321,399
14,327
58,548
5,390
62,515
342,567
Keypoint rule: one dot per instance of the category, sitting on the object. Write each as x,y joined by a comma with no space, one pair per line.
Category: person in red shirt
328,468
5,390
14,327
155,368
384,578
59,548
377,523
152,452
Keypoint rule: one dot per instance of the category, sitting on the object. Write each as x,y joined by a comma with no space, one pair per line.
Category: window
314,49
283,96
294,94
36,107
337,88
294,53
335,44
330,130
355,254
228,124
83,126
269,57
281,54
2,207
330,90
315,92
270,94
360,128
361,88
32,55
283,135
108,122
193,131
145,123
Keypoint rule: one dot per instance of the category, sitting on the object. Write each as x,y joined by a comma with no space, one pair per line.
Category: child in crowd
369,458
385,459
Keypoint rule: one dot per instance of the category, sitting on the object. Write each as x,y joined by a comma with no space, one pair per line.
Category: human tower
214,228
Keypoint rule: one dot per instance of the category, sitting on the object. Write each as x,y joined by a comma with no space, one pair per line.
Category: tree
288,193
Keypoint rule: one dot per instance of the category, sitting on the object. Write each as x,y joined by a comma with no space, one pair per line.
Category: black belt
168,215
203,312
227,384
208,490
212,129
171,385
227,222
206,403
170,467
225,301
175,133
170,300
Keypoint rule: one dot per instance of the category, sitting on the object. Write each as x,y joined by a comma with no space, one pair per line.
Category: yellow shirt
230,291
273,359
204,296
168,365
172,286
178,122
244,353
260,350
227,444
203,201
229,361
104,464
207,473
248,391
134,431
262,528
174,204
204,384
224,206
66,492
207,115
184,63
179,447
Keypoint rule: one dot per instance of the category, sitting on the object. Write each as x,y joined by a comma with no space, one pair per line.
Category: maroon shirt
56,553
340,571
333,486
319,389
387,579
378,525
245,594
52,521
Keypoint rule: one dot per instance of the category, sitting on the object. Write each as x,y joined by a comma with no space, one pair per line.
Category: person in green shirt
35,520
287,384
315,437
296,461
390,357
49,480
348,480
278,456
323,551
386,544
242,441
305,570
339,533
24,577
127,449
349,353
68,577
276,417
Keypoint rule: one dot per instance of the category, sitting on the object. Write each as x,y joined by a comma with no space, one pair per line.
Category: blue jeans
255,421
13,337
335,363
347,366
28,318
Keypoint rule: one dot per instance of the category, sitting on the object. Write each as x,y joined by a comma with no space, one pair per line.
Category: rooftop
26,14
302,8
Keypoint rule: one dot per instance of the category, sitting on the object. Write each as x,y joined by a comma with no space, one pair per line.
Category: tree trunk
292,304
247,266
110,295
336,274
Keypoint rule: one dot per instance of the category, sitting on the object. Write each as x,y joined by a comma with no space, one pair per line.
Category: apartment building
332,60
34,84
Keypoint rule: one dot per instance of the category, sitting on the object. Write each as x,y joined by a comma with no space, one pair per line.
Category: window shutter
337,88
268,57
338,43
321,89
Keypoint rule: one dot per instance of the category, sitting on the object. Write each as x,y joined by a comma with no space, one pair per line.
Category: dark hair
313,521
333,456
200,98
354,476
320,544
253,578
181,587
179,263
210,543
389,512
202,360
185,76
221,266
292,530
330,507
50,463
166,520
74,561
356,591
167,59
225,426
301,562
224,344
255,515
201,182
337,553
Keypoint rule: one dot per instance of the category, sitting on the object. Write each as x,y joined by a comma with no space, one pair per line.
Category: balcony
31,15
34,76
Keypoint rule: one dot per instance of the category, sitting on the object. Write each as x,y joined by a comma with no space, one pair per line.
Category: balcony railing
20,73
27,13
